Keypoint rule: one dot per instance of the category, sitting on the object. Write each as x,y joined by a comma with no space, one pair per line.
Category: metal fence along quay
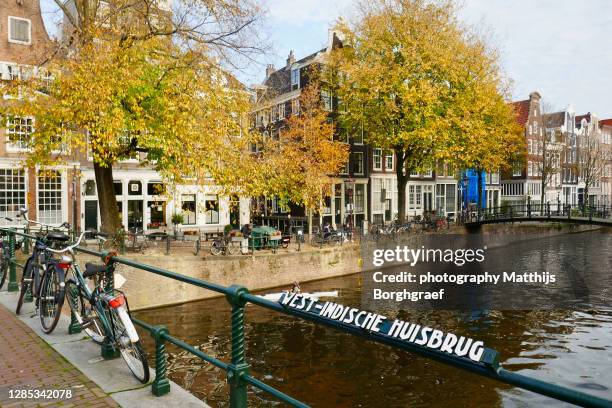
237,370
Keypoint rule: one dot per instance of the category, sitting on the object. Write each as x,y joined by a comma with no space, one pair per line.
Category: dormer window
295,79
19,30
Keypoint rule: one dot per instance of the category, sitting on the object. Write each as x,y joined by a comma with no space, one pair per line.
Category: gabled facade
277,99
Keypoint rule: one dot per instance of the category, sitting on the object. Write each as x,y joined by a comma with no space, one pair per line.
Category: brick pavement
28,363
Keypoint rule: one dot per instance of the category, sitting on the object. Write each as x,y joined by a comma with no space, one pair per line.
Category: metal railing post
238,367
161,385
26,241
13,286
167,244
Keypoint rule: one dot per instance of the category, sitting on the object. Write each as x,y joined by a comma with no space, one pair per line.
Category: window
20,30
118,185
295,78
529,146
358,138
327,99
389,161
188,206
281,111
357,163
135,187
517,171
90,188
12,192
155,188
50,197
19,131
157,214
295,106
530,168
211,215
359,198
451,189
414,197
377,154
414,173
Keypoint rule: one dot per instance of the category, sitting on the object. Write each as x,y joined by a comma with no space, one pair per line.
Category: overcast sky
561,48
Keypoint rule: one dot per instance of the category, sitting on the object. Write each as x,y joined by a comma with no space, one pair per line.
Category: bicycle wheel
232,248
85,315
215,248
26,283
3,267
132,353
52,290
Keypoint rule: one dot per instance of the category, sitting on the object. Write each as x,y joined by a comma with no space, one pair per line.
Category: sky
560,48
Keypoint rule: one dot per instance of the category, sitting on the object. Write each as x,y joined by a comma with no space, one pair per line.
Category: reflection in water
325,368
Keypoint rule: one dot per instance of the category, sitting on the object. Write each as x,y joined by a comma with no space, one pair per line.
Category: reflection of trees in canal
326,368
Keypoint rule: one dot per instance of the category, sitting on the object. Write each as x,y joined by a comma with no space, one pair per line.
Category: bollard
75,326
161,385
238,367
13,286
167,244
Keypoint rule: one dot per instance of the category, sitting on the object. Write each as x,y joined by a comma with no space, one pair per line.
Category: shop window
359,198
50,197
188,206
12,192
211,204
157,211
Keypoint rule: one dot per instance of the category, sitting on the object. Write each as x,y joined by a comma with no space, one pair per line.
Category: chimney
269,70
535,96
290,59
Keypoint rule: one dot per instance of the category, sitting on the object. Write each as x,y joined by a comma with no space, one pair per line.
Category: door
91,214
427,199
135,215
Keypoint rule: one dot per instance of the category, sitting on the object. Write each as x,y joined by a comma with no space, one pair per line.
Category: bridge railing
553,210
237,370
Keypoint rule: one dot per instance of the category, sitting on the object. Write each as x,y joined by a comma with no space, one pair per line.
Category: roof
554,120
521,109
279,82
605,122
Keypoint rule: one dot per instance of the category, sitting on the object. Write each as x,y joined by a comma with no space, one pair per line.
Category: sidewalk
28,363
31,359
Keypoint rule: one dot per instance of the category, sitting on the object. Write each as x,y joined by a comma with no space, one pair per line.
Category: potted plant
177,219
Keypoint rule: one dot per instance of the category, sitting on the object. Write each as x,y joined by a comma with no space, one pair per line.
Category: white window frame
377,153
387,166
13,200
358,138
9,26
295,78
43,187
12,147
360,156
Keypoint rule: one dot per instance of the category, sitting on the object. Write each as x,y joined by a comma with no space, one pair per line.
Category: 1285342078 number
40,394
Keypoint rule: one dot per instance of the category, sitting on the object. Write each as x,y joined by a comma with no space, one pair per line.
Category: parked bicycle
222,245
103,312
331,238
43,276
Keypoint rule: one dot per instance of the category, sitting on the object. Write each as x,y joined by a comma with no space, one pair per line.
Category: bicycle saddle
93,269
57,236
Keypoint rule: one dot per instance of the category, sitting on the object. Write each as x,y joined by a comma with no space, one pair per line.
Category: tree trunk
402,181
109,213
543,192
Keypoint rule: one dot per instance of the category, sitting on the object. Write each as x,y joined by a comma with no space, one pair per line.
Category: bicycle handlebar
69,248
22,213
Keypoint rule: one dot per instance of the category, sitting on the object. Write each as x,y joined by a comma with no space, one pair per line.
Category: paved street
28,363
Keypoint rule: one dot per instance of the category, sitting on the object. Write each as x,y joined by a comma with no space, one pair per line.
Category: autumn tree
132,77
302,161
412,77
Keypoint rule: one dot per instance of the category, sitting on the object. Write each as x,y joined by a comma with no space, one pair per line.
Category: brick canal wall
262,271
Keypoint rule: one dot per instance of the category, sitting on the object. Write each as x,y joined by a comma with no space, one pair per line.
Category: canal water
325,368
